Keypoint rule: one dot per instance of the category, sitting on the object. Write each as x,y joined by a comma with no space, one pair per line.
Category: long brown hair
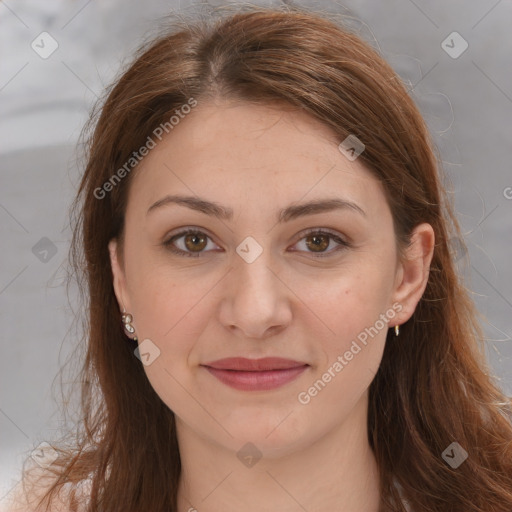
433,386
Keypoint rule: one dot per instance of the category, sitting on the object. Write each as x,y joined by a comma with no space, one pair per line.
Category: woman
275,320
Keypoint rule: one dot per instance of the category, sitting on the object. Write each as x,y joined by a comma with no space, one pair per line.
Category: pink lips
255,374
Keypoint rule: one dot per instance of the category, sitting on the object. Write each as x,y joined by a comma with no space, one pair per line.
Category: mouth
255,374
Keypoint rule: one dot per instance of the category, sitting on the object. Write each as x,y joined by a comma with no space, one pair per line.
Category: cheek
346,303
168,311
173,316
351,356
164,295
355,317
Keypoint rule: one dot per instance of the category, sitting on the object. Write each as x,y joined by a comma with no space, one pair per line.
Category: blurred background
56,58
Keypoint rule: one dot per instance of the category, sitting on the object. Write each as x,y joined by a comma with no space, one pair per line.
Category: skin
289,302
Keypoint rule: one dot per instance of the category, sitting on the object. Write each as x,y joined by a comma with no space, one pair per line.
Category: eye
193,240
317,241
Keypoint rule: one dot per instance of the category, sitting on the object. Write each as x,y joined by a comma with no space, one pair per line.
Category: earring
397,330
127,320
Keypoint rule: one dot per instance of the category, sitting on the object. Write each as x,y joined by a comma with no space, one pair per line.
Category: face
319,286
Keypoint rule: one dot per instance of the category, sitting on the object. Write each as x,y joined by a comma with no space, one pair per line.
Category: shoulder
28,493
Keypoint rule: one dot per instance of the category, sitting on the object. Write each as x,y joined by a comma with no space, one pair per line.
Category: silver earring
127,321
397,330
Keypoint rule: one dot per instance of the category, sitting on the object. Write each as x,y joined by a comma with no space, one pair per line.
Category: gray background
467,102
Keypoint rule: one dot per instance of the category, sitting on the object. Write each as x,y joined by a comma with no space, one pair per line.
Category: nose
255,301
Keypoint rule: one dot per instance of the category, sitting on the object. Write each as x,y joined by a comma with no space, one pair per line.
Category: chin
274,434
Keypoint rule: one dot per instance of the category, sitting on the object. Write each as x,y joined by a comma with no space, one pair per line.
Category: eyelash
343,244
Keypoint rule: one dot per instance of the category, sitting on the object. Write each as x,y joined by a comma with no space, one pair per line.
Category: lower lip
256,381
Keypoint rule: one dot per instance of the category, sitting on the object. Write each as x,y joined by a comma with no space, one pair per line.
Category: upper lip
264,364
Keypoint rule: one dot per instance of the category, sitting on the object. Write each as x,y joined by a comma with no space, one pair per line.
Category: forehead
246,153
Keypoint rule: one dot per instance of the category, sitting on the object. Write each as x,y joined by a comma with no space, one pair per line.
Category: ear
120,288
413,272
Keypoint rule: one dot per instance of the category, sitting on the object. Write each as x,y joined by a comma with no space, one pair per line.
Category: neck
336,472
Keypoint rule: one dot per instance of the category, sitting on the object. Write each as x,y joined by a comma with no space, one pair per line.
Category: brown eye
190,242
318,242
195,242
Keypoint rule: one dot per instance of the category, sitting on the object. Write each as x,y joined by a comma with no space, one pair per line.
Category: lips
255,374
254,365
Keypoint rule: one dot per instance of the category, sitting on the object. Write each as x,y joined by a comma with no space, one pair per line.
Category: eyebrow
284,215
